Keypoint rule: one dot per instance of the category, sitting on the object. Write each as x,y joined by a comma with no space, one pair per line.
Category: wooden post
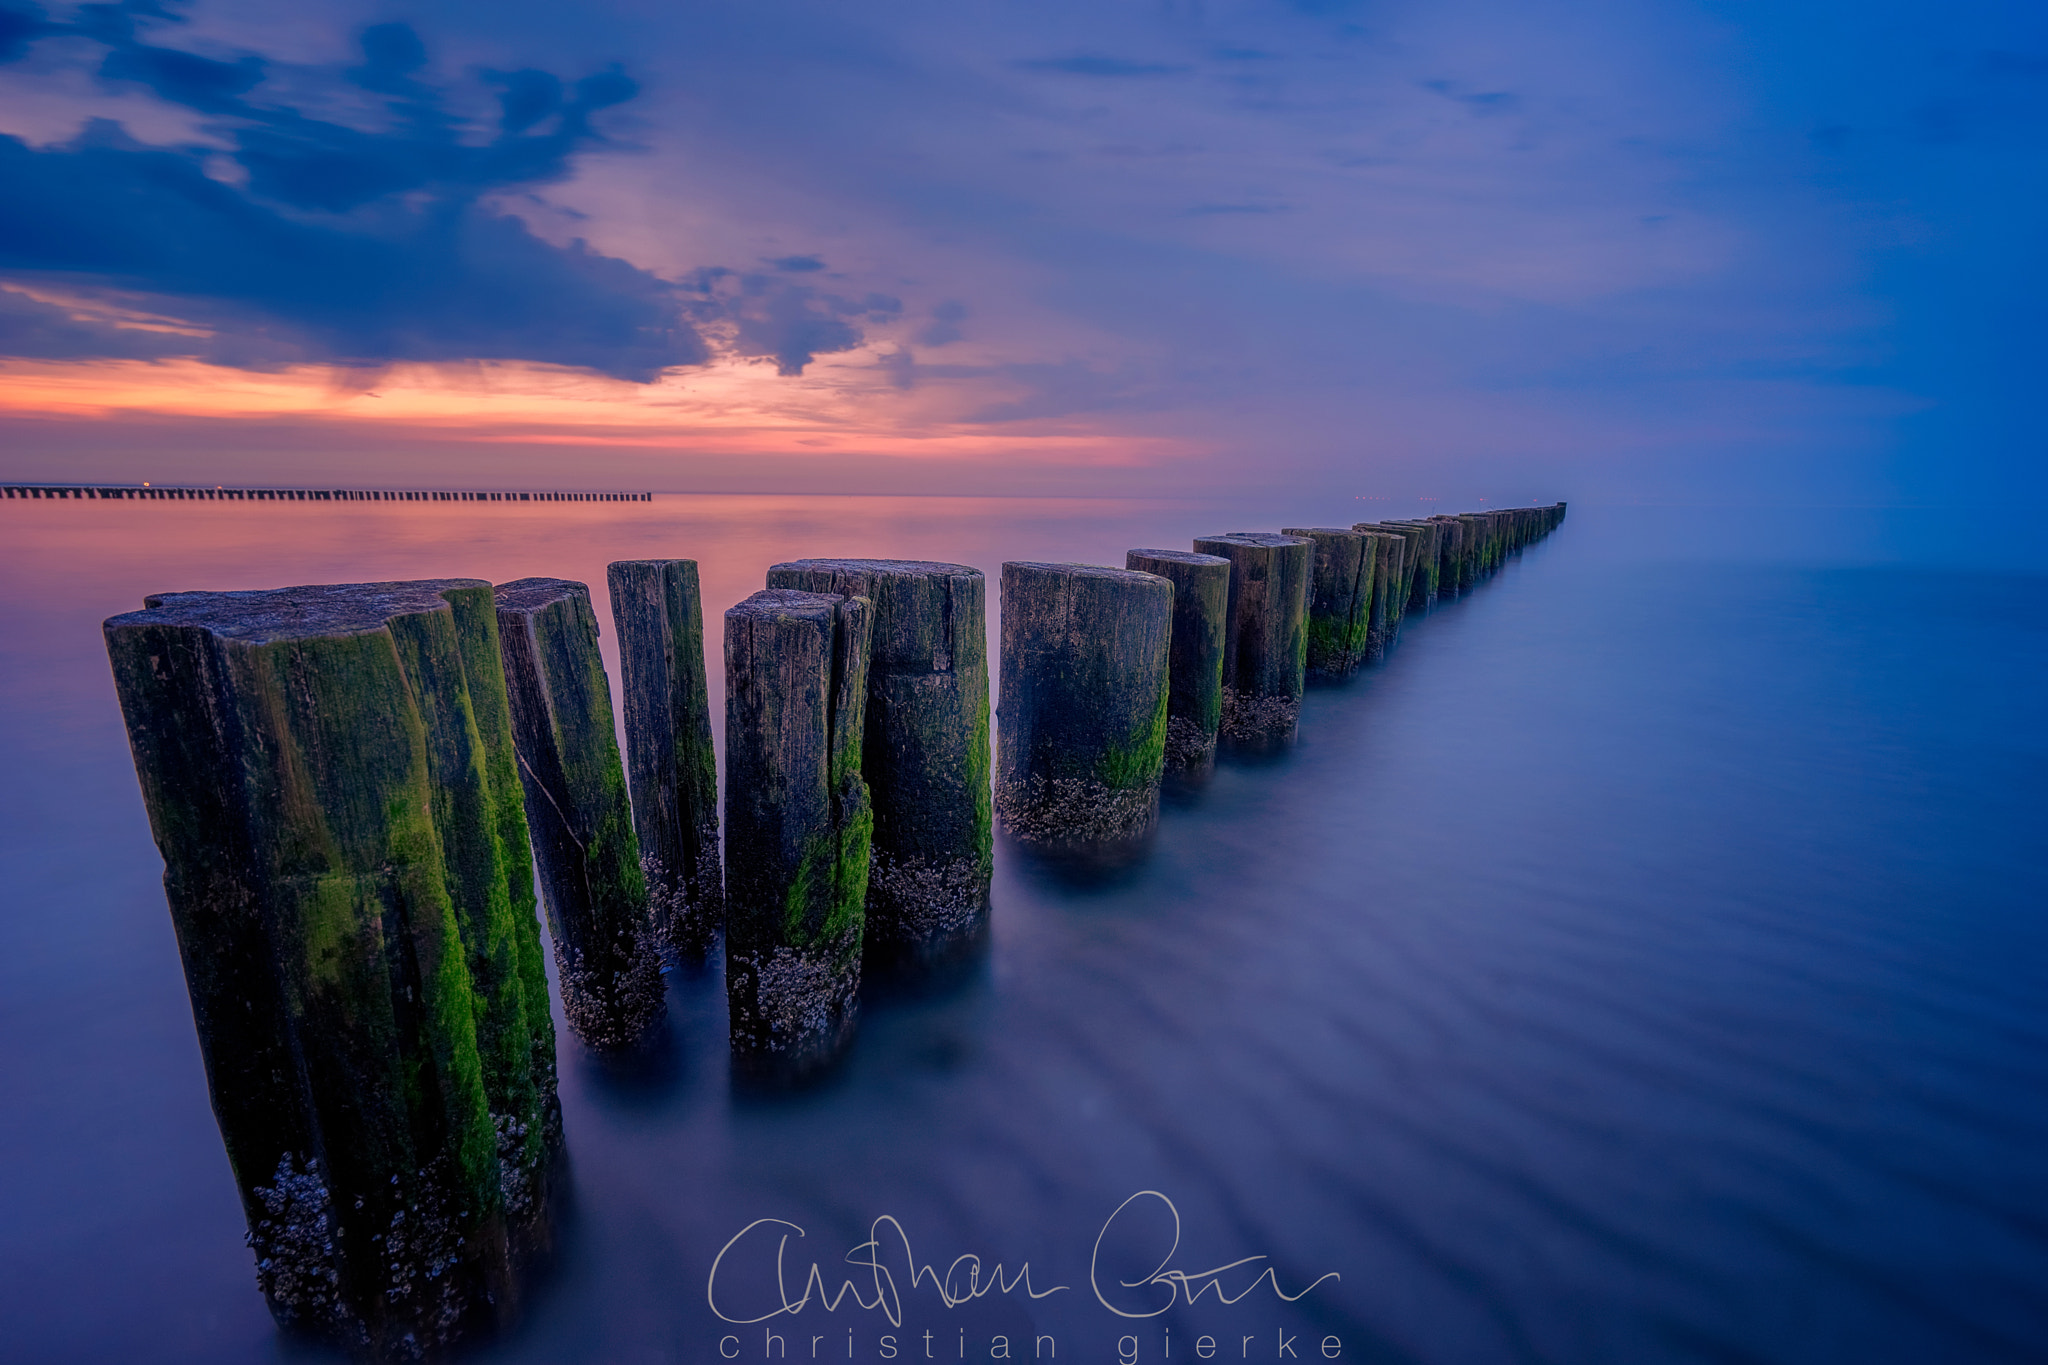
671,766
924,750
607,956
1265,644
1082,735
1451,579
1408,587
1339,598
328,772
1389,589
797,826
1424,561
1194,698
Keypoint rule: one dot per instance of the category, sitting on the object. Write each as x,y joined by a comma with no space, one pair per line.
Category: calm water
1648,962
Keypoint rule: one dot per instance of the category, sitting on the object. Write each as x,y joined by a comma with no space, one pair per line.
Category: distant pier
222,493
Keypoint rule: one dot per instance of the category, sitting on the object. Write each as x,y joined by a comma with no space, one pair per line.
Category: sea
1647,961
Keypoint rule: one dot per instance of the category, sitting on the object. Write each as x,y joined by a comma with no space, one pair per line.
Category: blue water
1647,962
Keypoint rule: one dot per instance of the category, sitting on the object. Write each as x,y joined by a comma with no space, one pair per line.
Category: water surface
1645,963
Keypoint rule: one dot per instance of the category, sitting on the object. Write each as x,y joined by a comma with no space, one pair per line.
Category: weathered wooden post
797,826
1389,590
328,774
1082,732
1425,557
1339,598
1194,698
671,767
1471,551
1410,587
1265,644
607,956
1451,555
924,750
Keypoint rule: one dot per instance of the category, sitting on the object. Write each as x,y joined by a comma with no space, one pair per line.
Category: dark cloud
447,280
945,324
197,82
774,318
1479,102
20,25
1092,65
359,247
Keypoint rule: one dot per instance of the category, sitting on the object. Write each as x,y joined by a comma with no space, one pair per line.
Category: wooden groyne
150,492
797,826
671,767
1265,640
1194,696
924,751
1082,742
353,785
606,945
329,777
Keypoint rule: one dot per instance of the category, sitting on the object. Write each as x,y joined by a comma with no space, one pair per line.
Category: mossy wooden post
797,826
1339,598
1426,548
1409,588
670,764
1389,590
1081,736
328,774
1265,643
607,956
924,751
1471,551
1450,556
1418,565
1194,697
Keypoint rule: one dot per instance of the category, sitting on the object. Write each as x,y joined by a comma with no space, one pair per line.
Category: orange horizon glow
726,408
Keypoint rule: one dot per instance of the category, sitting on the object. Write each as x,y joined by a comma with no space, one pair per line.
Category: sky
1634,250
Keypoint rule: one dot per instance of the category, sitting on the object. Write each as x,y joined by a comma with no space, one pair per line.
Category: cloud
44,331
774,318
20,25
944,327
797,264
1092,65
445,280
343,245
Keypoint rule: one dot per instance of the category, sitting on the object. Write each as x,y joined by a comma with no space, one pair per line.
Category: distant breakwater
153,492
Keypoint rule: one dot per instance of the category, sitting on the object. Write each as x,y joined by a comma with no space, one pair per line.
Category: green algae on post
1082,732
606,950
1265,642
1194,699
798,825
1339,598
671,768
924,750
327,773
1389,589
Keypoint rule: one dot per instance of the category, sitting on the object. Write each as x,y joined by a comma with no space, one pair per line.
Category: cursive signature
1182,1284
885,1268
961,1282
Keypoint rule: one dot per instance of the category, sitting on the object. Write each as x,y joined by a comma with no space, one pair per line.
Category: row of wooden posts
143,492
352,786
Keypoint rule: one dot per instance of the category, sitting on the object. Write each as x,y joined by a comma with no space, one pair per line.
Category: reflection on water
1644,963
